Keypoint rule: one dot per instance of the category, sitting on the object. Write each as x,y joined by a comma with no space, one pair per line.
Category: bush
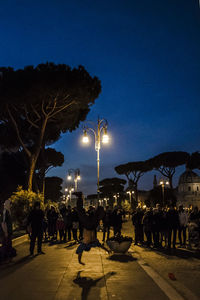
22,202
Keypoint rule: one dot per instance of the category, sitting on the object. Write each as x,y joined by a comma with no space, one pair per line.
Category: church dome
189,177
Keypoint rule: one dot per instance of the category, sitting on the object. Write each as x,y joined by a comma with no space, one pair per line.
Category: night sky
146,54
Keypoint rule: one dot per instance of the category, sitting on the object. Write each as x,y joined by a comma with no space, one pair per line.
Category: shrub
22,202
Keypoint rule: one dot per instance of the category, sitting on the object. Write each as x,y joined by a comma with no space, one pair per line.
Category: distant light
72,189
69,177
78,177
167,182
66,190
161,182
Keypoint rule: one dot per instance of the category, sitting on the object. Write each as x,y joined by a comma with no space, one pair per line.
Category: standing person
45,227
138,226
52,218
68,224
183,222
7,230
116,220
35,223
106,223
157,222
75,223
194,227
147,225
173,224
60,227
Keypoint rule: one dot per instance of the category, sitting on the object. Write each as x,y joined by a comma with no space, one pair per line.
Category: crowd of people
167,227
66,224
153,227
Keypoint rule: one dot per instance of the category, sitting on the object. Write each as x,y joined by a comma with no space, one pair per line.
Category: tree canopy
39,103
110,187
53,188
194,161
167,162
133,171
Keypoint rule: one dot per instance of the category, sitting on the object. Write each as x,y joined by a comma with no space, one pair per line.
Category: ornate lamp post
69,190
76,173
163,183
97,130
130,195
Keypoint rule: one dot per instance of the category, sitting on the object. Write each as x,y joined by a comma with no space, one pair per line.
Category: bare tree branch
29,120
35,111
64,107
17,132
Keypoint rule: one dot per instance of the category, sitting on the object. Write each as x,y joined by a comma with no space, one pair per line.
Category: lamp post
77,177
163,183
69,190
130,195
97,129
116,198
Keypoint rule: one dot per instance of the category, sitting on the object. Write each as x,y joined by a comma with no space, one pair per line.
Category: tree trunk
34,157
31,172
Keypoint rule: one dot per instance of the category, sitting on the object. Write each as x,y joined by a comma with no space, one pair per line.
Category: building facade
189,189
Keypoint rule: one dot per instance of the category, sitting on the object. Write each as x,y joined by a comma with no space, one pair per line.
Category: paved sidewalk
57,275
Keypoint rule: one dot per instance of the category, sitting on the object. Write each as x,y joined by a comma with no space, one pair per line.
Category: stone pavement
57,275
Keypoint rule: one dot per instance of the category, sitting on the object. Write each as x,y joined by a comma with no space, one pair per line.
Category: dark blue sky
147,56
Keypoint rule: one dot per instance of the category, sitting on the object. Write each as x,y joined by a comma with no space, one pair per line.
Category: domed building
189,189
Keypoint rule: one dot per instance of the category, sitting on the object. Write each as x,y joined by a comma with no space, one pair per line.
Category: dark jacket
147,221
107,218
68,219
36,219
172,219
137,218
116,218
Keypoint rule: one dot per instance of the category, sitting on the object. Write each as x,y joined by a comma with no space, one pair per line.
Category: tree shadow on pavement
13,266
123,258
87,283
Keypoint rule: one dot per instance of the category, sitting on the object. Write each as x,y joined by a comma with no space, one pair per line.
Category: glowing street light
77,177
163,183
130,195
99,137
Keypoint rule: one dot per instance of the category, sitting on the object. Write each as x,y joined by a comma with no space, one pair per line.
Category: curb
20,240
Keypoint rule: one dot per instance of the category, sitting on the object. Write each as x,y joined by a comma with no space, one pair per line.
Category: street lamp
97,130
163,183
77,177
130,195
69,190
